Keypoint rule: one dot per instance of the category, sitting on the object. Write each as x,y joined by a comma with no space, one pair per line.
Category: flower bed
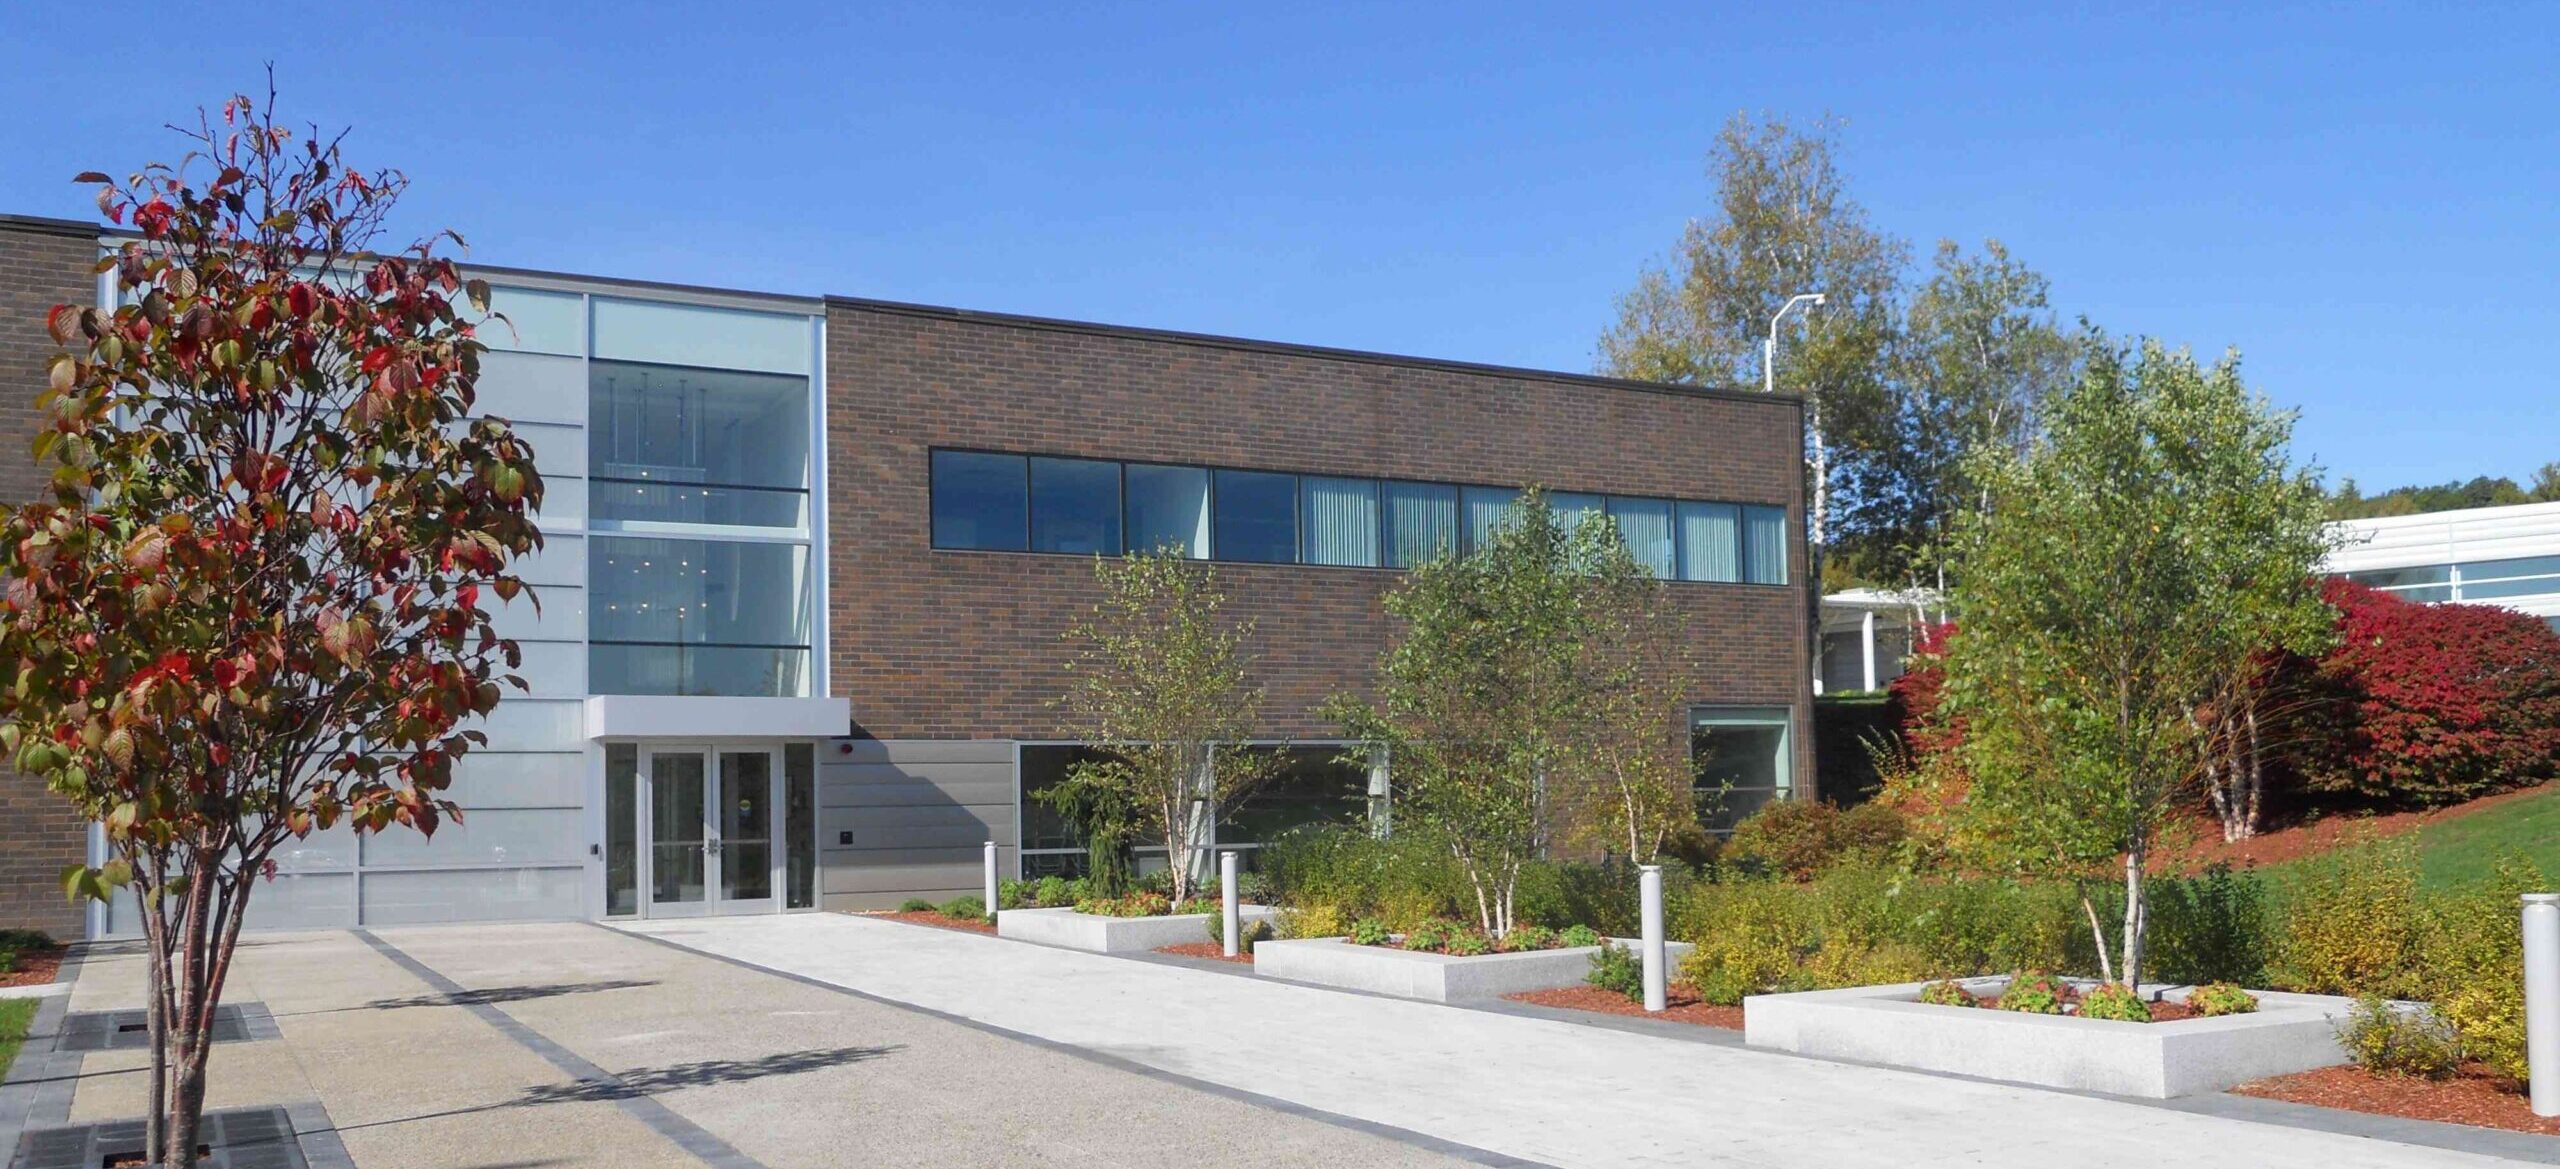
1116,933
2052,1044
1433,975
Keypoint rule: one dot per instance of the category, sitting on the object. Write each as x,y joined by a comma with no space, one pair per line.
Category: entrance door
711,829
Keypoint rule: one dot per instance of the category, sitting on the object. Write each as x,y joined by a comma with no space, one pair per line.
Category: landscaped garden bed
964,913
2063,1041
1213,951
2473,1095
28,958
1122,926
1681,1005
1438,961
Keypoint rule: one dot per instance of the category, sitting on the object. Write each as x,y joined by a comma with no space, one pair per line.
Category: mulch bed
35,967
1682,1005
1205,950
2474,1096
929,917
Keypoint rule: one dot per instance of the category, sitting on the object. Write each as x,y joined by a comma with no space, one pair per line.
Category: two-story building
810,562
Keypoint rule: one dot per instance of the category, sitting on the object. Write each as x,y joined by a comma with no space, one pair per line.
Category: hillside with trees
2348,502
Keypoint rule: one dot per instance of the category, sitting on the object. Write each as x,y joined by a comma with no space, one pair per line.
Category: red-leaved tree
2420,704
251,608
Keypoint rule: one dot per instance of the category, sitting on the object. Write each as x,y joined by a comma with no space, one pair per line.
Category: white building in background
2508,556
1867,634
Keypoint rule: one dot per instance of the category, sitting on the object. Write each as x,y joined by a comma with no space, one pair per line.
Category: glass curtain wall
699,448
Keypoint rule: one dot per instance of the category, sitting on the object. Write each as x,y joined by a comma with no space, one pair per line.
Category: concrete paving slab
791,1074
1538,1089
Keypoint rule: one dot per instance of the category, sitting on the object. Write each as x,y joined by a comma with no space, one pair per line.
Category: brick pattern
42,264
947,644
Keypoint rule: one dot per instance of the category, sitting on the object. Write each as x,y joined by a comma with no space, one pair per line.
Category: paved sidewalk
560,1045
1549,1092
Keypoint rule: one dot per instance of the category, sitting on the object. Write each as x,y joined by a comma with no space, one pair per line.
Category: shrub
966,907
2036,993
1253,930
1370,931
2473,964
915,905
2212,927
1432,934
1013,894
1948,993
1797,839
1402,880
1467,943
2352,924
1748,937
1579,935
1525,938
1613,968
1143,903
2387,1040
1313,921
2116,1001
2431,704
2221,998
1056,891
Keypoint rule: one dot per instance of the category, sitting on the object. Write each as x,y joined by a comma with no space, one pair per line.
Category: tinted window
1257,517
1421,522
1645,524
1764,545
1341,521
980,501
1169,509
1075,506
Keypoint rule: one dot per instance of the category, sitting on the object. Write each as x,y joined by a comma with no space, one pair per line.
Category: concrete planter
1114,935
1438,978
1884,1024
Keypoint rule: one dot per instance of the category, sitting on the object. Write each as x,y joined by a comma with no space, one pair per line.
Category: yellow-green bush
2473,964
1313,921
2352,924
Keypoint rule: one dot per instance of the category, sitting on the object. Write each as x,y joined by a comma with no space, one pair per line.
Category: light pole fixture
1769,348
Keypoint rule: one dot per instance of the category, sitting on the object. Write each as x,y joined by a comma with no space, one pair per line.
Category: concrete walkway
1548,1092
557,1045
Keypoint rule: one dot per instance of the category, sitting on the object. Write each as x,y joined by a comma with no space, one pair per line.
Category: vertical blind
1341,519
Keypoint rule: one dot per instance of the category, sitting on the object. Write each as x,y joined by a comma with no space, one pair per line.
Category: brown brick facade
951,644
42,263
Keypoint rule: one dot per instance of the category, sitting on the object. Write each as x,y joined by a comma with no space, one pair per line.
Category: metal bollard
1228,903
2542,999
1657,980
991,879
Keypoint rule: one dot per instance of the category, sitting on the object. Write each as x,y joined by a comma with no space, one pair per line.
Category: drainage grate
241,1138
131,1030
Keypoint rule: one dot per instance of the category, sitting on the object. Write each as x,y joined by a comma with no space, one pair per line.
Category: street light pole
1769,348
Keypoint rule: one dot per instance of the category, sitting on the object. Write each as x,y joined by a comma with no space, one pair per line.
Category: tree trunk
2253,777
2098,938
2137,918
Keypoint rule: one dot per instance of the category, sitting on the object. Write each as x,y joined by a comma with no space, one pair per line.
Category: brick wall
949,644
42,263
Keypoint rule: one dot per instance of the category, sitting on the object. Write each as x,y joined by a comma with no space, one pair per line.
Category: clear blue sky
2362,201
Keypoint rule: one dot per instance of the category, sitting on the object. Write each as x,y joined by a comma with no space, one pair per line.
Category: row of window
1028,503
2475,580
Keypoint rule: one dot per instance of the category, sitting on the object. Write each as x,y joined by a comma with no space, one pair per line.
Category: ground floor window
1742,759
1316,784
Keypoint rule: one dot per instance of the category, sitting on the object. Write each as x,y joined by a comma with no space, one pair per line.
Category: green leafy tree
1514,704
2152,545
1784,223
1971,365
1158,684
252,606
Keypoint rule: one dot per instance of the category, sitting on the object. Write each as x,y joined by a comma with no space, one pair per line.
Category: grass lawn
15,1014
2465,848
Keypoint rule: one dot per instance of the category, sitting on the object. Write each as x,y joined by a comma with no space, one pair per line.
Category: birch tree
2134,561
1158,681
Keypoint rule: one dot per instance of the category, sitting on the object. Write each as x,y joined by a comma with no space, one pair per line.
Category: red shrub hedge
2429,704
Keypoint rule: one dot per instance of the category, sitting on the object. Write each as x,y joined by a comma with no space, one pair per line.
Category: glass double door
711,828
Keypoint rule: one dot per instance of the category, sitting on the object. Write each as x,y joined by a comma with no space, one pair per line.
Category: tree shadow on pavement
505,994
702,1073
